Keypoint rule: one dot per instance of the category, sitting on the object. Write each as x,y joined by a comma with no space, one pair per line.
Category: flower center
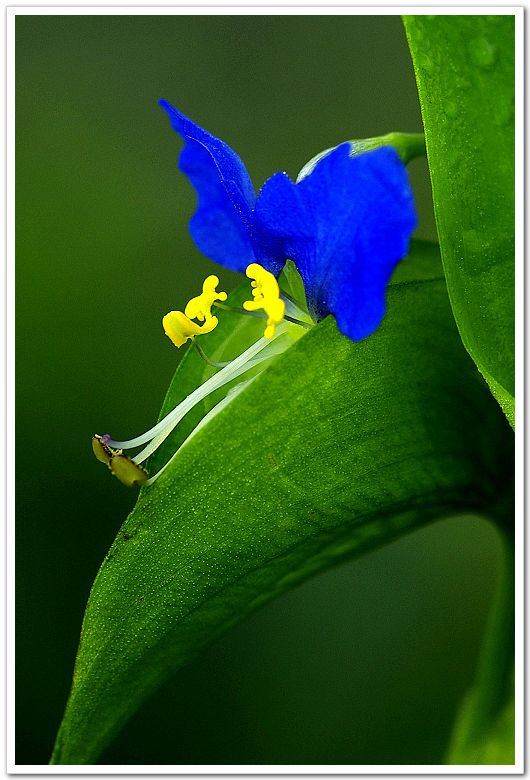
180,327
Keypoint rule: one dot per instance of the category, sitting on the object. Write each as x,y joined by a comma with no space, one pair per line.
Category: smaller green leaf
464,68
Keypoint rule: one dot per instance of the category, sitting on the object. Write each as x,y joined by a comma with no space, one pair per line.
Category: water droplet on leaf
504,113
423,61
461,82
482,52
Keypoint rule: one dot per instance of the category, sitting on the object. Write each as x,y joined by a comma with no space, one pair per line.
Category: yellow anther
199,308
180,328
101,450
266,296
127,471
123,467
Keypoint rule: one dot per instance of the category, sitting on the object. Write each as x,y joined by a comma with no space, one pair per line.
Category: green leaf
464,69
337,448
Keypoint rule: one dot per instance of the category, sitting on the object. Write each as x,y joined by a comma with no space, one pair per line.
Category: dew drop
482,52
504,113
475,244
423,61
461,82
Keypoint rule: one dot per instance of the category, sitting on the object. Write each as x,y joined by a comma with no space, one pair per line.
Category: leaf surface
464,69
337,448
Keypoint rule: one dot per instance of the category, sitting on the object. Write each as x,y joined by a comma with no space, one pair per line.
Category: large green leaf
465,74
335,449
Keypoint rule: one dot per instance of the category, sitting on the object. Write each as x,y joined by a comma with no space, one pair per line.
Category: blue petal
222,223
346,226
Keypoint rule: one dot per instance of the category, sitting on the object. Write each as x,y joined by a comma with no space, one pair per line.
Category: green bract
308,466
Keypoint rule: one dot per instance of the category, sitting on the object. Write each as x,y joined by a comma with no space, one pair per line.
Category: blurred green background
365,664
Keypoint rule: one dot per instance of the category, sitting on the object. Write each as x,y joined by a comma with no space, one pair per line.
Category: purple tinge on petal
346,226
222,224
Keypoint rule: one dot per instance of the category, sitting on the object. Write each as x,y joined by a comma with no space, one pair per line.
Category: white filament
206,419
236,367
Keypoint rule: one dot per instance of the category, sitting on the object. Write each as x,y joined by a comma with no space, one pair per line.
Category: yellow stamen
199,308
266,296
180,328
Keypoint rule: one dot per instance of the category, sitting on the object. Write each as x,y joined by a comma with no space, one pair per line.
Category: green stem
484,729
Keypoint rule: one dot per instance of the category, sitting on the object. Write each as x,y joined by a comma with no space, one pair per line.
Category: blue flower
345,225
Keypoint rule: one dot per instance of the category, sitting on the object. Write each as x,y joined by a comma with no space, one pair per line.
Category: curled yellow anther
180,328
102,452
199,308
127,471
266,296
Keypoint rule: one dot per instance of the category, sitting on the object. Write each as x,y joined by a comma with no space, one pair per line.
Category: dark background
365,664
